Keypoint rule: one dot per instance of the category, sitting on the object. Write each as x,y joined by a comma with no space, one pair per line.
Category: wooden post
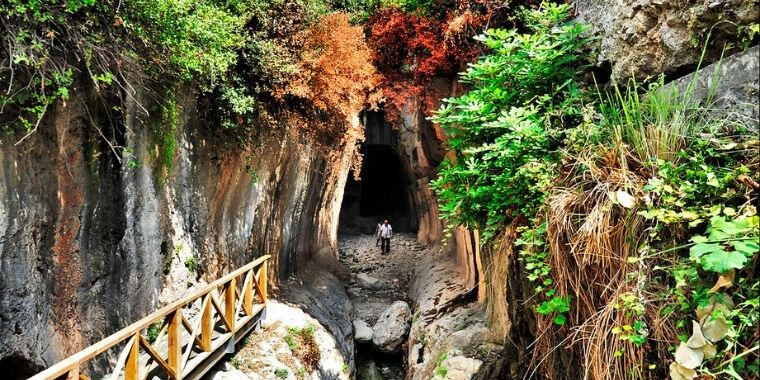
73,374
132,367
263,282
175,343
229,304
206,324
248,294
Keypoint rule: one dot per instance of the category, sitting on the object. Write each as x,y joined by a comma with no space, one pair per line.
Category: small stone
362,332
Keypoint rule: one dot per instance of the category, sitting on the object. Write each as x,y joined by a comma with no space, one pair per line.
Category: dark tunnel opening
383,192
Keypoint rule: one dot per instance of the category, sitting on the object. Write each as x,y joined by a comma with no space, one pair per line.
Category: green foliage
191,264
165,133
235,362
282,373
506,131
291,342
49,42
535,257
729,244
153,331
557,306
440,369
705,227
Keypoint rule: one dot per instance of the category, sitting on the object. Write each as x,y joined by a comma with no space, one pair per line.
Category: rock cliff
88,241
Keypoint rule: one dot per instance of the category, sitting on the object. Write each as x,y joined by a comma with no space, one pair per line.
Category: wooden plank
132,367
88,353
206,326
157,357
261,284
193,331
175,342
116,373
263,278
248,293
229,304
220,311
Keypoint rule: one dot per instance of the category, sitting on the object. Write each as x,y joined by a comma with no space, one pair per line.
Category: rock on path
392,327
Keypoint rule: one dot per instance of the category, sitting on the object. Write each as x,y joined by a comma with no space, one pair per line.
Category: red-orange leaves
335,71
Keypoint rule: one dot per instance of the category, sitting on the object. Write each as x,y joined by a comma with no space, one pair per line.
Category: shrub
48,43
302,342
506,130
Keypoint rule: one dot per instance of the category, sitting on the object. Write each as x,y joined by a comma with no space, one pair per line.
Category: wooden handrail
70,365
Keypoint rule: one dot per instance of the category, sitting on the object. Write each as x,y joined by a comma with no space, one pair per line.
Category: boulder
362,332
368,282
459,368
392,327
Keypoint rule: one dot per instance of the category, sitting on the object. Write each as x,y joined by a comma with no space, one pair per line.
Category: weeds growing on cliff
191,263
619,221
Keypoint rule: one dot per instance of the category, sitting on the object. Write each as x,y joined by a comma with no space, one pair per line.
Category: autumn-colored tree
420,40
335,71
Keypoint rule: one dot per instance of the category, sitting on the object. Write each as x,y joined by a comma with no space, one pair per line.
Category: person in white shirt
377,233
386,232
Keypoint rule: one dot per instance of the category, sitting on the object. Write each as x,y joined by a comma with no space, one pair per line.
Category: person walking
377,233
386,232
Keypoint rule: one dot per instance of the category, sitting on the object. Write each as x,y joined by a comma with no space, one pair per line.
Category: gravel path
389,275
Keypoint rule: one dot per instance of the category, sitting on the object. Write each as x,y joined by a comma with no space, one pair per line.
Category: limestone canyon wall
87,243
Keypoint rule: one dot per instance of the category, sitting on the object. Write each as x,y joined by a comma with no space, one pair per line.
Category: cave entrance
383,192
17,367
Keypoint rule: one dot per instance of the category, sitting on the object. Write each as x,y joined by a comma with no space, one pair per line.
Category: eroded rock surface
647,37
275,350
449,328
87,243
362,331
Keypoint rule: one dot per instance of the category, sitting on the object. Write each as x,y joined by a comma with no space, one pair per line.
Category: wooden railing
224,313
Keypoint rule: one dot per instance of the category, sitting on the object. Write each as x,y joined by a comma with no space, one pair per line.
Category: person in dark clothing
386,232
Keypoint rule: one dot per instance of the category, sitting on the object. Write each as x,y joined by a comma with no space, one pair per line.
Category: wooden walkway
220,315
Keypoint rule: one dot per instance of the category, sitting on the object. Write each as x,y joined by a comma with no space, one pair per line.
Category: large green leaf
722,261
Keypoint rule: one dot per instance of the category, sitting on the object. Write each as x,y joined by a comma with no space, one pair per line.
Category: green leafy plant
282,373
506,130
191,263
290,340
729,244
440,369
557,306
153,331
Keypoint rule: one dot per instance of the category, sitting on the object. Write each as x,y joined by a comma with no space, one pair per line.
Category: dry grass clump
594,234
